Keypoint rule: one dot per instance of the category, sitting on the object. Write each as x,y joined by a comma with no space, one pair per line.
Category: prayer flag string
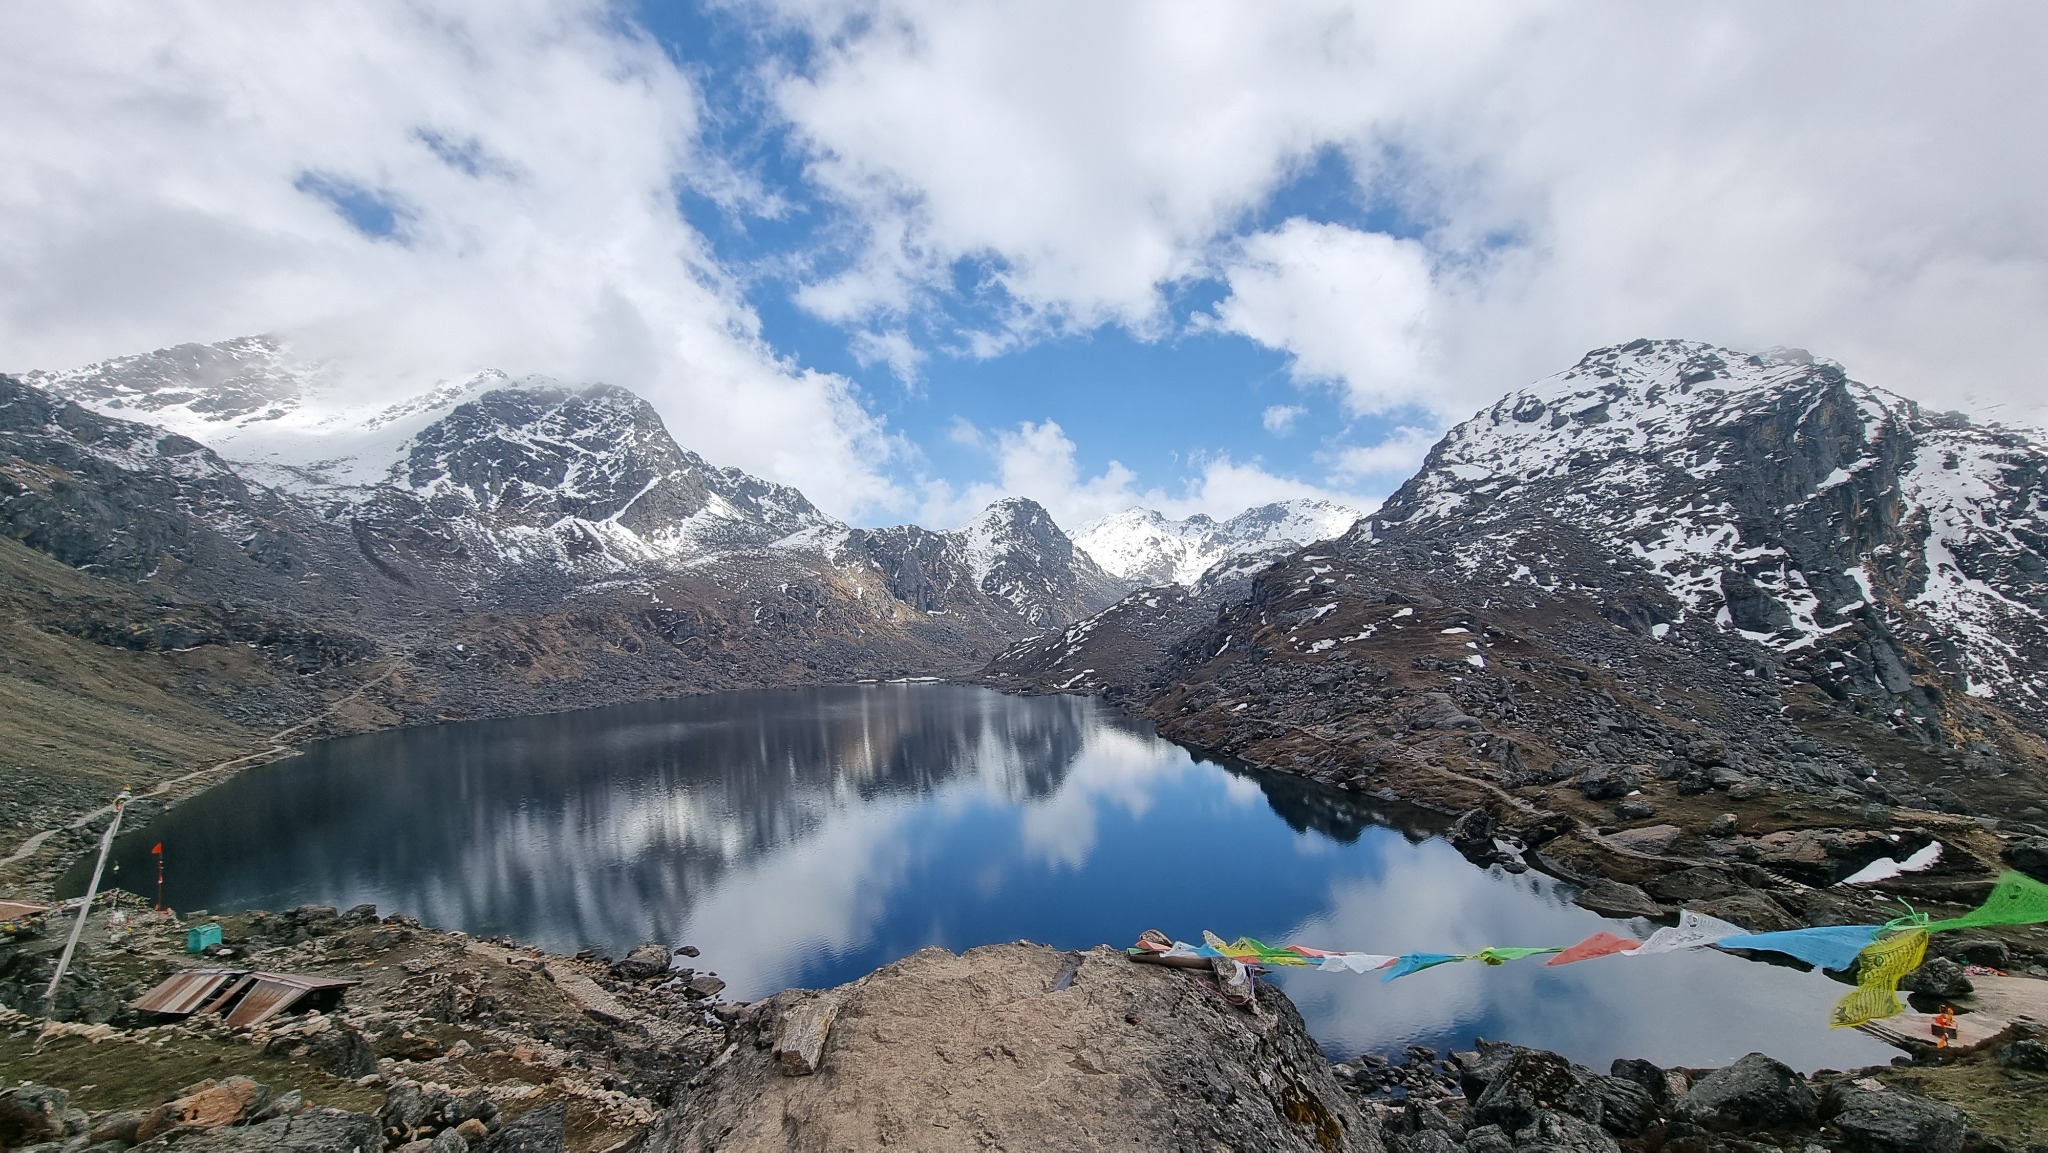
1881,955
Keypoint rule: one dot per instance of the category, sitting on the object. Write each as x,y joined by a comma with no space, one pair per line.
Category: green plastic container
200,938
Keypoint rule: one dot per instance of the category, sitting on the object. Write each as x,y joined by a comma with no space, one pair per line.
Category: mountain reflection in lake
806,837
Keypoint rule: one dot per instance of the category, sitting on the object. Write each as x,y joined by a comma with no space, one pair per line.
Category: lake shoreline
597,1056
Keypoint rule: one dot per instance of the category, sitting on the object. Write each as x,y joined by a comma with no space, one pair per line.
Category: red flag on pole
159,850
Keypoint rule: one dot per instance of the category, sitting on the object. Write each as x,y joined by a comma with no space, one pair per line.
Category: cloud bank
417,188
1546,178
423,188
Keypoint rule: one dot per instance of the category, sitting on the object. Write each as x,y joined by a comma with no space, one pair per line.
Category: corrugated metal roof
273,993
182,993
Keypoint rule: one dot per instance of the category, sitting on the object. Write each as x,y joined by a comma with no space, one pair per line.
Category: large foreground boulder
1886,1122
981,1050
1754,1093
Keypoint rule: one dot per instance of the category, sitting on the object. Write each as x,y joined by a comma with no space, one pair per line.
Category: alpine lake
805,837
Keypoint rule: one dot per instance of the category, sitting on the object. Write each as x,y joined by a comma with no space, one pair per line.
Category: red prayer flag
1601,944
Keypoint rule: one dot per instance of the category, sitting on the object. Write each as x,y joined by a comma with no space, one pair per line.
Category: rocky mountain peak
1147,548
1021,557
1830,521
595,466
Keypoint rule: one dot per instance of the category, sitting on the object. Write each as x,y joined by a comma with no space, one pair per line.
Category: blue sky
1157,402
914,255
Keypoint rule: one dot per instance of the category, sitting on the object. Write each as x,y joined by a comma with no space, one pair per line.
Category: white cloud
1279,418
155,167
1039,460
1350,307
1388,461
1853,179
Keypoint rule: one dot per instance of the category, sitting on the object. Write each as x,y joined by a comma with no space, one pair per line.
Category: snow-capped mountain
282,418
1769,494
528,490
1012,554
587,478
1145,547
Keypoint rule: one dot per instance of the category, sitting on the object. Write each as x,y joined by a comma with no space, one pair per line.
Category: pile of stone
1503,1098
242,1115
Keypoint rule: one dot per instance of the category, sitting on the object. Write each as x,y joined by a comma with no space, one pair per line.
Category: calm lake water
802,838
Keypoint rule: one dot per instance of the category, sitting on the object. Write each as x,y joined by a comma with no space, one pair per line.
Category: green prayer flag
2016,899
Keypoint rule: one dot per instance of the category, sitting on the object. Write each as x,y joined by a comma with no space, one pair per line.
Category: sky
913,255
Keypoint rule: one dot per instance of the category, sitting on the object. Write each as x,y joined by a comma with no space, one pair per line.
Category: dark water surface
806,837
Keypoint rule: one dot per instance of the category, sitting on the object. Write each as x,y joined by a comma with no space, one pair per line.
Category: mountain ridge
1149,548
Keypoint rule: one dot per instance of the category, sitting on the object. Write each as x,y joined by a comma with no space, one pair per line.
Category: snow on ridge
286,420
1142,545
1723,473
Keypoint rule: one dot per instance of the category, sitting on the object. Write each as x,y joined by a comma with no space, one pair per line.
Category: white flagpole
84,910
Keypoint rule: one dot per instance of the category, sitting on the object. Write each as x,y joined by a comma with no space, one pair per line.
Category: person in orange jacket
1944,1027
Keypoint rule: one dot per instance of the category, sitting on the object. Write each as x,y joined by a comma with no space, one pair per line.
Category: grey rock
283,1105
1653,839
1635,809
1753,1092
314,1131
1695,884
1487,1139
1427,1141
1614,899
1420,1117
1750,909
1692,781
117,1125
537,1132
1607,782
340,1049
448,1141
1748,789
1474,828
1532,1081
1724,825
31,1114
1626,1108
1893,1122
1661,1086
2025,1053
1554,1132
406,1107
2030,856
1938,977
649,959
1976,951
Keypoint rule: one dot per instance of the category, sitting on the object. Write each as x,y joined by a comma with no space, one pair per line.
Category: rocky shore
445,1037
451,1044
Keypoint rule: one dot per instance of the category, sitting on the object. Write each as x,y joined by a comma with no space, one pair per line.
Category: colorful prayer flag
1826,947
1601,944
